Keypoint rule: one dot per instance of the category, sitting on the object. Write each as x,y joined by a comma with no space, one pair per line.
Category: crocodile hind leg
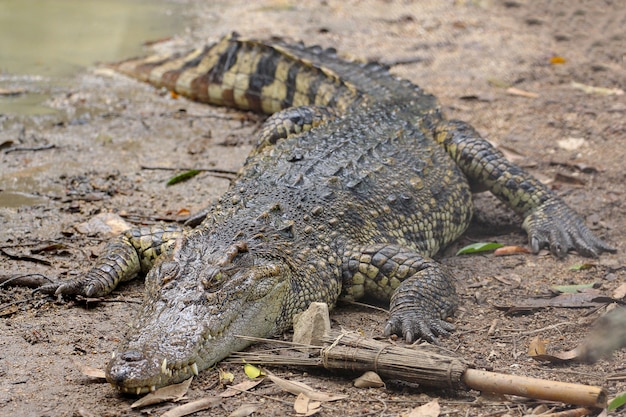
420,294
291,121
132,252
547,219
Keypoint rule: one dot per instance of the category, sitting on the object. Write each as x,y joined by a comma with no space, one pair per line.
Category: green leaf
581,267
252,371
183,177
572,289
479,247
617,402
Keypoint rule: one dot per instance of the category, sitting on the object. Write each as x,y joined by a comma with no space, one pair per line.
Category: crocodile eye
212,279
168,271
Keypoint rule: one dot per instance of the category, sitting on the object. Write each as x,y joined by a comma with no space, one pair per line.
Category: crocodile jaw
184,331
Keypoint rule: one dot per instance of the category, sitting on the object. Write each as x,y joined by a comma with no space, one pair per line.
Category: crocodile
357,181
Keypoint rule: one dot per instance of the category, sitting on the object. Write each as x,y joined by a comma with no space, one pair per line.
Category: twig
34,149
210,170
25,280
356,303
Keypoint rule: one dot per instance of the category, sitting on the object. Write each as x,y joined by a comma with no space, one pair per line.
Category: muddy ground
468,53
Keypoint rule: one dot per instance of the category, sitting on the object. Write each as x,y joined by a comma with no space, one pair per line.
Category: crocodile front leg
421,295
547,219
132,252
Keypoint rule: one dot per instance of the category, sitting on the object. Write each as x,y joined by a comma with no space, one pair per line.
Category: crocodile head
197,301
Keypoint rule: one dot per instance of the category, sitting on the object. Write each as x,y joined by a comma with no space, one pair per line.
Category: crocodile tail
265,77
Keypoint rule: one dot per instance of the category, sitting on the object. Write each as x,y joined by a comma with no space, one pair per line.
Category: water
52,39
43,43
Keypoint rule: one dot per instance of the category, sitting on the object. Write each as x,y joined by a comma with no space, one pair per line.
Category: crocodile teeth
164,366
138,390
152,388
194,368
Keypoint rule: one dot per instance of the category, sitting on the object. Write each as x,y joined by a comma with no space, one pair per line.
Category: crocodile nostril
131,356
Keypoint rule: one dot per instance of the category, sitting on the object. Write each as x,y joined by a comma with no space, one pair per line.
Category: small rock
311,325
104,224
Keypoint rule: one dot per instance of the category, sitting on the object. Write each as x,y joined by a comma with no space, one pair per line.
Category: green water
43,43
52,39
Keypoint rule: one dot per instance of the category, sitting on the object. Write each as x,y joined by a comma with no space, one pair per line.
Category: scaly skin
349,193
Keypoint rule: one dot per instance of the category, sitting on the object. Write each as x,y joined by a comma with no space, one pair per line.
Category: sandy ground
468,53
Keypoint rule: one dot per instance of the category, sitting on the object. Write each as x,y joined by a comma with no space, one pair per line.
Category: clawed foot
557,226
413,325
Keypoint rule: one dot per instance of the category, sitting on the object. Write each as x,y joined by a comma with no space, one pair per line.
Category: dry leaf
601,91
192,407
305,407
369,380
557,60
296,388
620,292
510,250
571,144
104,224
226,378
183,212
169,393
91,372
568,179
517,92
241,387
537,347
431,409
11,92
245,410
607,335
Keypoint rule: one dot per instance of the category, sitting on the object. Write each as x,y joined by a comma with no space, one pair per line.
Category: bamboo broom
418,364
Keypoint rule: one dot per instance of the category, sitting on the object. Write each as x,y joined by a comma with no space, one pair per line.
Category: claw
558,227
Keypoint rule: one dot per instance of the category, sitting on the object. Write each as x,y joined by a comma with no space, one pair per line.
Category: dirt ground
468,53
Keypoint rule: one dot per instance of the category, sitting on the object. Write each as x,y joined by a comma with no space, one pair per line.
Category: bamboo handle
535,388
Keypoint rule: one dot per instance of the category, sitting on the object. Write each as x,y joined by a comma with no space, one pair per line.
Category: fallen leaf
104,224
590,298
11,92
192,407
607,335
510,250
252,371
617,402
601,91
92,372
183,212
517,92
582,267
557,60
568,179
305,407
297,388
169,393
241,387
184,176
369,380
244,410
226,378
431,409
620,292
537,347
572,289
571,143
479,247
